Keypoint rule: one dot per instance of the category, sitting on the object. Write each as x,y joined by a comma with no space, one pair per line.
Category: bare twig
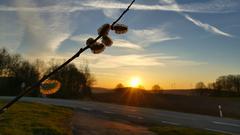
125,11
37,84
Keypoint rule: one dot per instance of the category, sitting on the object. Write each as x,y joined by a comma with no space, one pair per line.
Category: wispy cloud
81,38
213,6
147,37
198,23
143,60
111,9
126,44
40,36
179,62
111,61
207,27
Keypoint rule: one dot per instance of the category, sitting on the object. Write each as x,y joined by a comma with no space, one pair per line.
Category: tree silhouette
157,88
16,71
200,85
119,86
74,83
228,83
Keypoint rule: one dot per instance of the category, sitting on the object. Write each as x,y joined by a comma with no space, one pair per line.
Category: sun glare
135,82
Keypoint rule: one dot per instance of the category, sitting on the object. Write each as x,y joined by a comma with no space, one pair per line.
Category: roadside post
220,111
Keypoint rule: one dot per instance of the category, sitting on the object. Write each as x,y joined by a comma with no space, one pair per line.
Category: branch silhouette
81,50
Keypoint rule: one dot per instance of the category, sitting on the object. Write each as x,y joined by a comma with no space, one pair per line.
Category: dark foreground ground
180,103
39,119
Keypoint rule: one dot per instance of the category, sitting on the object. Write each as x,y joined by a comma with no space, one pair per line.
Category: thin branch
37,84
125,11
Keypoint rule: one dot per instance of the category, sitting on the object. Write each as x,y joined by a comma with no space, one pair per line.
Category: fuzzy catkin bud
97,48
120,28
104,30
107,41
89,41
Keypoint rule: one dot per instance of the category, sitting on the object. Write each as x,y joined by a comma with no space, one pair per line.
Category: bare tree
228,83
200,85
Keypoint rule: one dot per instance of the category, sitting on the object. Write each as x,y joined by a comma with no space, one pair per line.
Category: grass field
35,119
181,103
173,130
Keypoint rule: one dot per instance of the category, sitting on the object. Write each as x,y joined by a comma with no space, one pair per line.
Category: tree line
223,84
17,73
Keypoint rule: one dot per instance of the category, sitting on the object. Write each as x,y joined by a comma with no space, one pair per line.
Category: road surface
146,115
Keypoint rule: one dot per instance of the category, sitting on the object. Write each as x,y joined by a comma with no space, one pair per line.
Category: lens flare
49,87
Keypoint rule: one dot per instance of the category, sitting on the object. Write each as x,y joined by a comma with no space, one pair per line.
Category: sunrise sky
171,43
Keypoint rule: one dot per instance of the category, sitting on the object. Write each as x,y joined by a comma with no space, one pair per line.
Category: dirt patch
90,124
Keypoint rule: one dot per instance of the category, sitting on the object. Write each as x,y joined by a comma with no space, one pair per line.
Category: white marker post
220,111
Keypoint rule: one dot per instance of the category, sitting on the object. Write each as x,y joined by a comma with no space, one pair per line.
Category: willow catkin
120,28
104,30
107,41
97,47
89,41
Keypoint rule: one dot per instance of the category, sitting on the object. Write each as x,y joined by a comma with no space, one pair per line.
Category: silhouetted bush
15,73
74,83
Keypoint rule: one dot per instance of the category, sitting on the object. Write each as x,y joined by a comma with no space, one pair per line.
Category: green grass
35,119
173,130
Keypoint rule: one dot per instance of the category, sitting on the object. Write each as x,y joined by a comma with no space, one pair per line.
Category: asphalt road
146,115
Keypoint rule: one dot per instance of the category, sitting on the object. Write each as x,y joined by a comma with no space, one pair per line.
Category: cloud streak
207,27
146,37
214,6
138,60
196,22
126,44
111,61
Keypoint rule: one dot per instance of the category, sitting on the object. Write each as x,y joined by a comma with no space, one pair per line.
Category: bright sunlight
135,82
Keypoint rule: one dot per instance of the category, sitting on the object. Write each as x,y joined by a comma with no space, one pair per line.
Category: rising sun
135,82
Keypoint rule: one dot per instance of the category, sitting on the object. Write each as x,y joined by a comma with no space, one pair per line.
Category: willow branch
37,84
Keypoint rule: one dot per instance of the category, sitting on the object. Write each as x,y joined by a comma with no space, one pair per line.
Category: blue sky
180,42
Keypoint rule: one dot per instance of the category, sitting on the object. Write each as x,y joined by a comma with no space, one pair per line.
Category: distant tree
157,88
200,85
211,86
85,89
228,83
40,66
4,61
119,86
201,88
27,74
